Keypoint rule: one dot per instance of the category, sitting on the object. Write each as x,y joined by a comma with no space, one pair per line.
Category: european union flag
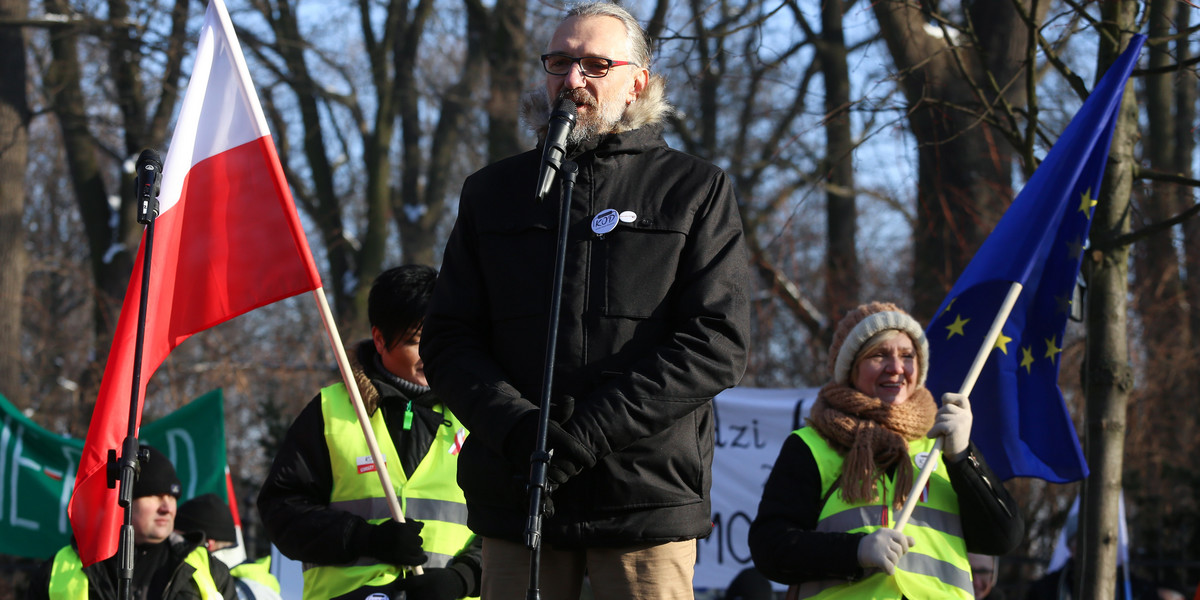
1021,423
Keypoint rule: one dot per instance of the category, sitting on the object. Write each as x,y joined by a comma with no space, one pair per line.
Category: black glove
562,409
397,543
570,457
434,584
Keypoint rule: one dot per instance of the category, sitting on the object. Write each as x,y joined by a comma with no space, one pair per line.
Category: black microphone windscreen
567,107
150,156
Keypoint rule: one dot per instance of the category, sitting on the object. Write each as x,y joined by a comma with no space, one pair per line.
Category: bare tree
1109,378
14,157
959,77
109,212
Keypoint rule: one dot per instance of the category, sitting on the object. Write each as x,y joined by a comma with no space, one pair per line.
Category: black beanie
157,476
207,513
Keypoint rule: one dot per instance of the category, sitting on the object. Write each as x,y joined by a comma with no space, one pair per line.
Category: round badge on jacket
606,221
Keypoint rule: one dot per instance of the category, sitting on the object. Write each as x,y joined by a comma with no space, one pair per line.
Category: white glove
883,548
953,420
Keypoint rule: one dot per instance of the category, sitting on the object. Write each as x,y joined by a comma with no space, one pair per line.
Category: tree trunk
841,211
507,46
1108,376
14,157
964,166
111,262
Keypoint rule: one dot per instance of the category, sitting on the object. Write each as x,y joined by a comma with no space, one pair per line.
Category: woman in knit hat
824,524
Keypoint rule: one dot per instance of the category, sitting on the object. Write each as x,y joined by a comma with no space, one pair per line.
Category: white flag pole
335,341
968,384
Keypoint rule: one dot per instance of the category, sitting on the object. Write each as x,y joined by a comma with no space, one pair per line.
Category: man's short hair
639,42
399,299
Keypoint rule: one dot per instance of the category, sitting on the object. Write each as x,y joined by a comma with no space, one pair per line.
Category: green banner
37,469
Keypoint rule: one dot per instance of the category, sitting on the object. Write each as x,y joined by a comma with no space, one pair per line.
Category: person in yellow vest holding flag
211,516
166,564
322,502
825,521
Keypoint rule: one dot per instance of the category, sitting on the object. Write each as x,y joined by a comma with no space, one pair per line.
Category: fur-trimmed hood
364,351
651,108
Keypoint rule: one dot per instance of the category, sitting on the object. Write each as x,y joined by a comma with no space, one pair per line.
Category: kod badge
606,221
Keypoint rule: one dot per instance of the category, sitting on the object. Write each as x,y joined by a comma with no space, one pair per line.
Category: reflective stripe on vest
68,581
935,567
431,496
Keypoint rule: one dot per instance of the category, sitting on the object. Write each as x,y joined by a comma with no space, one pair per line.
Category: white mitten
953,421
883,548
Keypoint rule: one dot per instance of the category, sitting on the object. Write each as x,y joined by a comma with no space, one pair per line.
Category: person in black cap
210,515
166,564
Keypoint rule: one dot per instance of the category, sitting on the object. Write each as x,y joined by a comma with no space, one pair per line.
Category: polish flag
227,241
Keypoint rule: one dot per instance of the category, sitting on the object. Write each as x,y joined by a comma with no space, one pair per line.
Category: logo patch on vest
459,438
366,464
920,459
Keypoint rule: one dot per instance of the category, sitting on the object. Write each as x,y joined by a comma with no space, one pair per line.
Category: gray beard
595,124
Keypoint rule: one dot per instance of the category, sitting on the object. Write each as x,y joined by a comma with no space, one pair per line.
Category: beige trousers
655,571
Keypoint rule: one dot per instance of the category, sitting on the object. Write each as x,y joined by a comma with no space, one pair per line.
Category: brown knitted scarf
872,436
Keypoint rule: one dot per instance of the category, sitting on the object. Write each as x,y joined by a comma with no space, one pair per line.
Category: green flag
37,470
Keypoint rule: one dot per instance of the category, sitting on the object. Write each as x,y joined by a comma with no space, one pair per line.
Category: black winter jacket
654,323
786,548
294,499
159,573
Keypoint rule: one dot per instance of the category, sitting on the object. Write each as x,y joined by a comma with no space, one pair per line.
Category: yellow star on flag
949,305
1086,202
957,326
1002,342
1027,358
1051,349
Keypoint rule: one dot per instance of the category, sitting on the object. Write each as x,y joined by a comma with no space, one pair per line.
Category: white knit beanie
863,323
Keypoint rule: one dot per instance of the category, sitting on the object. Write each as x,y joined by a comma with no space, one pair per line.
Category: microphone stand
126,470
540,459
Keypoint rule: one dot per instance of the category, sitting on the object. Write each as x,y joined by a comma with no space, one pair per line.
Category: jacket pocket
640,260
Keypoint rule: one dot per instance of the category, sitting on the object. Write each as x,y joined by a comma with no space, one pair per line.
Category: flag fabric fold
227,240
1022,425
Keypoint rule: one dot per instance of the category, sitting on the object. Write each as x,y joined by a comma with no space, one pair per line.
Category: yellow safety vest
69,582
431,496
935,567
257,570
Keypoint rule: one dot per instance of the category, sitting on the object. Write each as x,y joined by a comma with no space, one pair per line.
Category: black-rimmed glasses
591,66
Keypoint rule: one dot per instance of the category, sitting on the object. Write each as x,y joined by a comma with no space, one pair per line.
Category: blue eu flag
1021,423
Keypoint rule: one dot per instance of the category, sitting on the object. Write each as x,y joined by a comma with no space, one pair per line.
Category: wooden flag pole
968,384
335,341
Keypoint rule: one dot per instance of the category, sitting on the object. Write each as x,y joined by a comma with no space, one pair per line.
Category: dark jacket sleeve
469,564
39,582
221,577
992,521
783,541
294,500
454,344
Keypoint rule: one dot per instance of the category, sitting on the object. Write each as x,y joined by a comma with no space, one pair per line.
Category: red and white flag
227,241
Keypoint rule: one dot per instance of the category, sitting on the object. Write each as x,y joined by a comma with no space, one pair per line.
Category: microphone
149,176
562,121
